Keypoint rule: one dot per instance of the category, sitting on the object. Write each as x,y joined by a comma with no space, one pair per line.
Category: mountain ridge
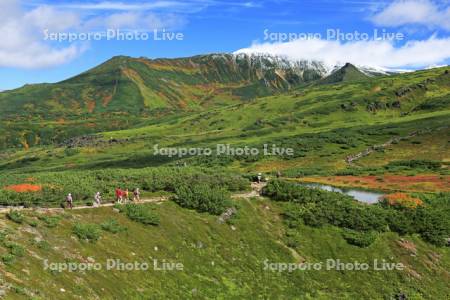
134,85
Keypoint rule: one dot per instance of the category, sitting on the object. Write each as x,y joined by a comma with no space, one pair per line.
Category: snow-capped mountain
320,67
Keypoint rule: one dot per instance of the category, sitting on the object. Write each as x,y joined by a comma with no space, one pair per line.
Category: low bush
361,239
422,164
15,249
54,186
8,259
33,223
314,207
203,198
111,225
144,214
50,221
16,216
89,232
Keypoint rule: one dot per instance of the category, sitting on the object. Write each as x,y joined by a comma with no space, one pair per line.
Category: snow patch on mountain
325,69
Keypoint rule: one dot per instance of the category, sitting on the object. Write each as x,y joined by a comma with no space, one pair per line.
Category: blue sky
208,26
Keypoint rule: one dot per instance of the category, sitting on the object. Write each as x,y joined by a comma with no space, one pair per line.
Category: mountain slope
125,84
125,91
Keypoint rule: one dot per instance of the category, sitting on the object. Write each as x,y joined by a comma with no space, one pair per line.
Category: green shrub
433,225
144,214
90,232
361,239
8,259
84,184
15,249
203,198
16,216
3,236
314,207
111,225
415,164
50,221
44,245
33,223
71,151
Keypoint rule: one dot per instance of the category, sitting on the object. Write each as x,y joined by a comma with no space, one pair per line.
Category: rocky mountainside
136,85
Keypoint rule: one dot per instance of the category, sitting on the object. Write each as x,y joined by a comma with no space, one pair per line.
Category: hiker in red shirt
119,194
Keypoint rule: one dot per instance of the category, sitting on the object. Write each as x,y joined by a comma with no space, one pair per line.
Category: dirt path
354,157
256,192
55,209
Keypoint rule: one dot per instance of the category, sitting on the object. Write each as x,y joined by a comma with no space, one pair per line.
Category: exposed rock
227,215
403,91
401,296
396,104
407,245
90,141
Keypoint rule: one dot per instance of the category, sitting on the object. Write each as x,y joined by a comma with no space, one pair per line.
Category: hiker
126,193
259,177
119,195
98,199
69,200
136,195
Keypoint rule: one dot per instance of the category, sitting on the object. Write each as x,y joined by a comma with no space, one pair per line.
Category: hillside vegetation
323,123
220,260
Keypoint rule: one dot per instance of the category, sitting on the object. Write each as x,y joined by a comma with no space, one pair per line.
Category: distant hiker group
122,196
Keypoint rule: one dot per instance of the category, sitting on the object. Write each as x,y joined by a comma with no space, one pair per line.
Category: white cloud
46,17
113,5
21,32
420,12
414,54
173,5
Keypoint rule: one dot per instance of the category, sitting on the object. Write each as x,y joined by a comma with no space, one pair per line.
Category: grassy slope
323,124
197,240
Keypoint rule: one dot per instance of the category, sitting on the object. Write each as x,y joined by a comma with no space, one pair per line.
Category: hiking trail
256,192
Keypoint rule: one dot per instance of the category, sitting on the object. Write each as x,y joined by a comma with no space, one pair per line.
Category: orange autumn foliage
402,200
23,188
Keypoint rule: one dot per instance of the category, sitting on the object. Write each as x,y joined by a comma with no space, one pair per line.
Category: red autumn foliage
402,200
24,188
